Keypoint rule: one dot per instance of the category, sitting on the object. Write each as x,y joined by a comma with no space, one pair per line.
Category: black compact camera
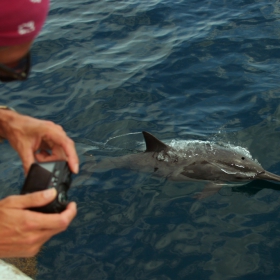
42,176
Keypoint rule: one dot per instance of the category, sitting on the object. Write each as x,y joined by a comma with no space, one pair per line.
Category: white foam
206,146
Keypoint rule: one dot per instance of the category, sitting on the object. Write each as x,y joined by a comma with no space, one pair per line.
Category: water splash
205,147
122,135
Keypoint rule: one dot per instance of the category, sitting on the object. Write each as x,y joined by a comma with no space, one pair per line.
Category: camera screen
48,166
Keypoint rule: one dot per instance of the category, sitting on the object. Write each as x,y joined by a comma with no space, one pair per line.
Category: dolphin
199,160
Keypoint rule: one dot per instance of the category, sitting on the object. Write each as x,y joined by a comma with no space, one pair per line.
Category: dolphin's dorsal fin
153,144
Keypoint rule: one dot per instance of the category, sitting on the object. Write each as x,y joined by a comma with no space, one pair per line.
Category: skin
23,232
31,138
10,55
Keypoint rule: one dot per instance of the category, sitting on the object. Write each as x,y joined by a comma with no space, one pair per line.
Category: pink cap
21,20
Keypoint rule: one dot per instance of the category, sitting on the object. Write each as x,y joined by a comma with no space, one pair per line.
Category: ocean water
181,70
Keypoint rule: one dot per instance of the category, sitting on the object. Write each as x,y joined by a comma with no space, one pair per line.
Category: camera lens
62,197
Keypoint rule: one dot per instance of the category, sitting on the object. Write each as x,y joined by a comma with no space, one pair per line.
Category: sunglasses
18,73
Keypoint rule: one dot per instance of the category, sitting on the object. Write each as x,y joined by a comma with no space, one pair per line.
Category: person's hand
35,139
23,232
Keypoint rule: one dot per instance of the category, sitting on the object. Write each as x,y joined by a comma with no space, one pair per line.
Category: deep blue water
180,69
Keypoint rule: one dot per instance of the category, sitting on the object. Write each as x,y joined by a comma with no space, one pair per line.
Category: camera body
45,175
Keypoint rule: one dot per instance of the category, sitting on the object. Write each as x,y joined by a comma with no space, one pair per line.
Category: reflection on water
184,70
153,228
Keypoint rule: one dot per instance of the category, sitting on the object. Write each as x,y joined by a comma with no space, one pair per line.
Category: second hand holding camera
42,176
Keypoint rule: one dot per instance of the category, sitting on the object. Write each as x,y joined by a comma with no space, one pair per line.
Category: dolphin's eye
243,158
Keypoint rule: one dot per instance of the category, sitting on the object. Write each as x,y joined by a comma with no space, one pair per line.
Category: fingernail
76,168
50,193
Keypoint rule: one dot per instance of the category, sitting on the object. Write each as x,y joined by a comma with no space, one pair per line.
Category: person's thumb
35,199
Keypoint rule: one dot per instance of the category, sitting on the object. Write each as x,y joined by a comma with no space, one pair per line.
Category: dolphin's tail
269,176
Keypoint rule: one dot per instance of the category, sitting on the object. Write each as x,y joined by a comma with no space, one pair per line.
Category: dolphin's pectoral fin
210,189
202,170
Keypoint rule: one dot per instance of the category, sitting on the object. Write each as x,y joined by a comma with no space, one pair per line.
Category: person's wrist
5,107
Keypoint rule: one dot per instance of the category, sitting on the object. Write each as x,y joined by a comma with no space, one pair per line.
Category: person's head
21,21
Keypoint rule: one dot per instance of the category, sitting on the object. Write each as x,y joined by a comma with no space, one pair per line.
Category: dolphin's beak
268,176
